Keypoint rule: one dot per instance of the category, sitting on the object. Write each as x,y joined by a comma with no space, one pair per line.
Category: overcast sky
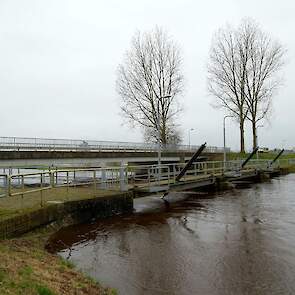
58,62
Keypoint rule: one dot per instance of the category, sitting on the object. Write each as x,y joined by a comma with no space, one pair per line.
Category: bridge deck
25,191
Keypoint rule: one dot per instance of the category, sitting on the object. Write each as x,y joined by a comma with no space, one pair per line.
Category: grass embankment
261,156
267,156
26,268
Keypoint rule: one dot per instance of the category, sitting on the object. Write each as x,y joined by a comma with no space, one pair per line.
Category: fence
24,190
27,190
26,143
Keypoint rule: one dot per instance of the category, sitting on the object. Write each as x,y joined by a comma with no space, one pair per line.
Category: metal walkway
150,178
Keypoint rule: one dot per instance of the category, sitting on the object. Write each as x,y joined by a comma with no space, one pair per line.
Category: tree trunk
242,139
254,134
163,133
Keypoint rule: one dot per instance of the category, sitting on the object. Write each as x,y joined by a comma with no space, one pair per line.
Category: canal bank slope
27,268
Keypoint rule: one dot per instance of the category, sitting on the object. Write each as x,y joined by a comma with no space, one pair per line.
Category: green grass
2,275
262,156
43,290
66,263
25,284
26,268
25,271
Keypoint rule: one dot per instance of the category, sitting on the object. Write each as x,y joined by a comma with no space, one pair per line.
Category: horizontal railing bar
30,191
112,177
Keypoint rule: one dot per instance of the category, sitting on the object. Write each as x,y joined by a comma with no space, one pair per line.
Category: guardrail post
123,176
67,183
94,180
41,191
23,189
5,185
174,173
51,178
103,178
8,185
56,177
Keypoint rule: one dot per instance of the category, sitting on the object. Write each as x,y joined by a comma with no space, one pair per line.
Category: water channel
240,241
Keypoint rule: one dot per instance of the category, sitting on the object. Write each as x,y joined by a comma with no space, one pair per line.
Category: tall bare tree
265,59
149,82
226,76
242,73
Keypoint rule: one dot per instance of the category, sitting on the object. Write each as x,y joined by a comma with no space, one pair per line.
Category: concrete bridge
20,152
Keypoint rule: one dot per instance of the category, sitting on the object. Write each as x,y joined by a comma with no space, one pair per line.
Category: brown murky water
238,242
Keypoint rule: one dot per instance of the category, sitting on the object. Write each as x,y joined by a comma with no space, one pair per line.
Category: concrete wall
79,211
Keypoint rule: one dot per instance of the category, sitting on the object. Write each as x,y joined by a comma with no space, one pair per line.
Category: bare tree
173,134
265,59
226,76
149,82
242,73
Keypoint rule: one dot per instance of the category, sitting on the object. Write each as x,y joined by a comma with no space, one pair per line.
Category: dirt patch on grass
27,268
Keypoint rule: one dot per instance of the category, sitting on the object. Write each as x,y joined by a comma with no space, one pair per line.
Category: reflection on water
240,242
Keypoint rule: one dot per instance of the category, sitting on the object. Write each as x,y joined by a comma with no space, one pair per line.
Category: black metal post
190,162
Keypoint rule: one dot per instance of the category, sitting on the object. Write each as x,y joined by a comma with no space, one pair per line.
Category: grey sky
58,62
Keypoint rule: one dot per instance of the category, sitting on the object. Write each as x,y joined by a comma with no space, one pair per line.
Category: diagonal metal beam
190,162
278,155
249,157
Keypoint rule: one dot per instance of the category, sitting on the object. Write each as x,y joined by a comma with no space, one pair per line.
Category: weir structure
28,200
123,178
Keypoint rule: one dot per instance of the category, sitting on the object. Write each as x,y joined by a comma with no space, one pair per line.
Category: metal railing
4,185
63,184
51,144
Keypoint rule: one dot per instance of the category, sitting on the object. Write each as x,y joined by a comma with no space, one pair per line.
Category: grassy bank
262,156
27,268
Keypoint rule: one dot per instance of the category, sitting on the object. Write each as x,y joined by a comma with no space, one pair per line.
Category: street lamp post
159,137
257,153
189,138
224,143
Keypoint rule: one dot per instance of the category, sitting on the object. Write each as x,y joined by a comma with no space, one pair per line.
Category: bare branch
242,72
150,81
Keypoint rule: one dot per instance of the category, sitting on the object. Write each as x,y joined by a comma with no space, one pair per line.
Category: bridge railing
26,143
25,190
28,190
111,178
3,185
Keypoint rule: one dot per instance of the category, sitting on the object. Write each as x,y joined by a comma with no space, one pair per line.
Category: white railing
118,178
26,143
66,184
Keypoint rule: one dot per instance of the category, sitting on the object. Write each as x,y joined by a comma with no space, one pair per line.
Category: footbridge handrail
118,177
53,144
